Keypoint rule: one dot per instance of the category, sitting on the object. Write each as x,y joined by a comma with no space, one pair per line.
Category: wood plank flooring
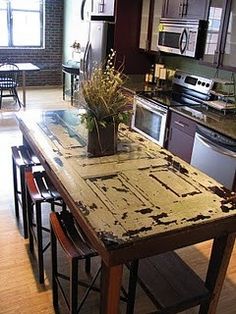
19,291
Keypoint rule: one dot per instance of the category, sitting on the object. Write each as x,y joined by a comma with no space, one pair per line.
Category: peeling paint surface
140,192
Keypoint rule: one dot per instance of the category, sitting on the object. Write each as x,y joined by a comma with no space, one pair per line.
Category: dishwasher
215,155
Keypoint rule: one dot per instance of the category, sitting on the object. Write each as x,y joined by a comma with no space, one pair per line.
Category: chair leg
17,97
30,222
132,286
54,268
87,265
23,200
40,242
73,286
14,171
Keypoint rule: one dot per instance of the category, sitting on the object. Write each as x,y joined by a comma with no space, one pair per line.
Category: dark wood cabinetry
181,136
220,46
151,14
186,9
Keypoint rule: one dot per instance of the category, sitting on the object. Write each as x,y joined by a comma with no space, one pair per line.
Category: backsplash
192,66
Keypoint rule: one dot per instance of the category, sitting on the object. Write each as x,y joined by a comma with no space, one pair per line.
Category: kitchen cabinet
186,9
216,18
220,46
151,14
228,48
181,136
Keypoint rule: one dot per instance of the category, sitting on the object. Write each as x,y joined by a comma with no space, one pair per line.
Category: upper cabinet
214,32
151,14
185,9
220,49
228,48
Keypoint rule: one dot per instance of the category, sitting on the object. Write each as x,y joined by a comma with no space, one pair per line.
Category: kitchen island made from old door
140,202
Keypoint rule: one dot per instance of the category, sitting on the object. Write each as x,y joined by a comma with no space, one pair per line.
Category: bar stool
39,190
66,232
22,158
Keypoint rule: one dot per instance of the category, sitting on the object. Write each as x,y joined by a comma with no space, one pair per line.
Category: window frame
10,26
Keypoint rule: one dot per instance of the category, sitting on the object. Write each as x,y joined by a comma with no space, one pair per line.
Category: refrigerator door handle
85,60
82,9
87,72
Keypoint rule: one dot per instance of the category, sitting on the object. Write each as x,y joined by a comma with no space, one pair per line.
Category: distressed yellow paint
141,187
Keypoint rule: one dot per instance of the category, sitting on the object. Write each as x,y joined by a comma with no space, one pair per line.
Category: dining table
23,68
138,203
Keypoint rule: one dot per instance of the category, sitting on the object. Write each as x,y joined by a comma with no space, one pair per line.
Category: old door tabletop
140,202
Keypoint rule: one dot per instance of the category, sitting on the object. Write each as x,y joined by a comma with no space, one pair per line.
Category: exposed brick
48,59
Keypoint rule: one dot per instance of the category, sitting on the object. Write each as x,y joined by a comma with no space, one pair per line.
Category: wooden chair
22,158
9,82
66,232
39,190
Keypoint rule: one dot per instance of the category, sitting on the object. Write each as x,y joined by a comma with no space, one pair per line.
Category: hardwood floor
19,291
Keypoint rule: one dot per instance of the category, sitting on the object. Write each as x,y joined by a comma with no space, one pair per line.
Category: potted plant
105,106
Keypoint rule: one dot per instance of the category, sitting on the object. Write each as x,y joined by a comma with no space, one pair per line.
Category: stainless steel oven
149,119
182,37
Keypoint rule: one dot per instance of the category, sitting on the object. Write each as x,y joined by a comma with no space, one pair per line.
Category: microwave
182,37
149,119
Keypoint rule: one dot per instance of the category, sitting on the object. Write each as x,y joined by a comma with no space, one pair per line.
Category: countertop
214,119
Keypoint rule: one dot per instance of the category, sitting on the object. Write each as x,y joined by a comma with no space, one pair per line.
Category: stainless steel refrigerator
100,41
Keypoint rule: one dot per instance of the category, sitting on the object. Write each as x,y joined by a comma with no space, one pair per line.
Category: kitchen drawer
183,124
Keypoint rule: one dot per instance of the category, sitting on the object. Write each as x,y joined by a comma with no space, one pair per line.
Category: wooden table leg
219,261
111,279
63,84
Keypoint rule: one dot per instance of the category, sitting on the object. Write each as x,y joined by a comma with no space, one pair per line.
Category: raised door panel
180,144
194,9
172,8
186,9
181,136
143,42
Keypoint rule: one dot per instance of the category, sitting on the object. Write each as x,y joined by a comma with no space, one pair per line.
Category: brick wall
48,59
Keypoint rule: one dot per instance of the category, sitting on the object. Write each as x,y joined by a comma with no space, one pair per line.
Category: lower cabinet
181,136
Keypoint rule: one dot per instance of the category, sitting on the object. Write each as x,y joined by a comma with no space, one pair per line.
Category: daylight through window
21,23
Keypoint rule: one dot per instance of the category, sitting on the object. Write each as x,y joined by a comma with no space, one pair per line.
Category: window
21,23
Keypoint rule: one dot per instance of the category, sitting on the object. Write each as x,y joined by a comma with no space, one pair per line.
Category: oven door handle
183,35
216,148
151,108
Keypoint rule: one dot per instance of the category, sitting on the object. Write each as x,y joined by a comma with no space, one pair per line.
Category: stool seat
22,158
39,190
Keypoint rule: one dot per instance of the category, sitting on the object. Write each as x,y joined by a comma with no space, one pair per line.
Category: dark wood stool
66,232
39,190
22,158
74,71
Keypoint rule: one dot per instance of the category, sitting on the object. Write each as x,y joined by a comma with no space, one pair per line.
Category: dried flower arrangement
75,45
103,99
